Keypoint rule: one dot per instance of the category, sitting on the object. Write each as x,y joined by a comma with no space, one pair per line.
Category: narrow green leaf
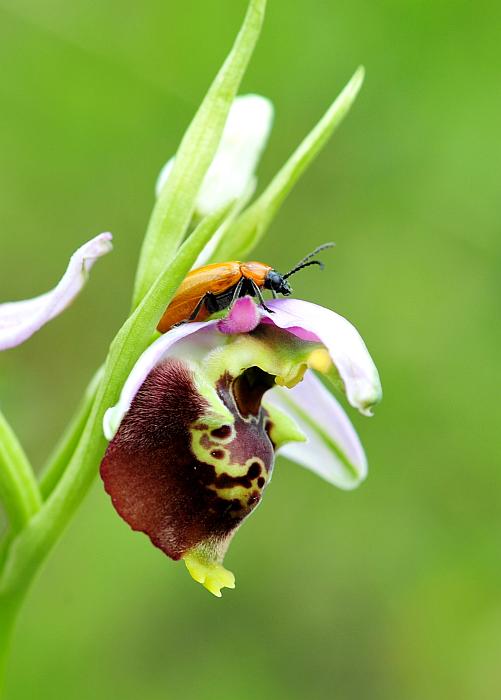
19,492
174,207
252,224
58,461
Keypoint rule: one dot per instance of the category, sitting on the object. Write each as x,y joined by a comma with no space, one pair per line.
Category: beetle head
277,283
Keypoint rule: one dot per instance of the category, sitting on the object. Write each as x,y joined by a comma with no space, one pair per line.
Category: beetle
215,287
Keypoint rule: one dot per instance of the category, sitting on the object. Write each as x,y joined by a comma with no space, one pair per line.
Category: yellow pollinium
320,360
211,575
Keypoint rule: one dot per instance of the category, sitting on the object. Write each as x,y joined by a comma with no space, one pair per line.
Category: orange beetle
215,287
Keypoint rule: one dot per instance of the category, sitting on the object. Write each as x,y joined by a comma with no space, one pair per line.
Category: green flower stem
250,226
9,607
19,492
175,205
33,543
58,461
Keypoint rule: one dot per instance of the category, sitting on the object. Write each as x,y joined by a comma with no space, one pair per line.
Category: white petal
333,449
157,351
20,319
231,172
343,342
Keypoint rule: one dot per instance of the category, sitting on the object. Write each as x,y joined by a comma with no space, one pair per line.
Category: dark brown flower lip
179,479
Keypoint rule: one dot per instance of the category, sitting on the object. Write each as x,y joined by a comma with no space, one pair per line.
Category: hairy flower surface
20,319
206,408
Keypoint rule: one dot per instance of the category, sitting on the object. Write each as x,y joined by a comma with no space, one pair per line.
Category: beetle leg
274,294
257,292
218,302
237,291
197,308
211,303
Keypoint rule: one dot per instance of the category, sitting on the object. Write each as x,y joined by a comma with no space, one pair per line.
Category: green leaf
58,461
174,207
19,492
252,224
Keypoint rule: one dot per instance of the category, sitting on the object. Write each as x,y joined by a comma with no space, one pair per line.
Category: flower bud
231,173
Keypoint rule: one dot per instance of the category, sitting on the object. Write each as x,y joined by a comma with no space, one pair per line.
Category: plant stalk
9,608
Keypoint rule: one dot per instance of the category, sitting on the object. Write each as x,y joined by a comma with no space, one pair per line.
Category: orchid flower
19,320
207,406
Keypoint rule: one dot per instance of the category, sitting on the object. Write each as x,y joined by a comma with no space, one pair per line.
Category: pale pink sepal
343,342
20,319
333,450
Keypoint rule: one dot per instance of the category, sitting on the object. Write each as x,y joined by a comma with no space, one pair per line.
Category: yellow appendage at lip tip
211,575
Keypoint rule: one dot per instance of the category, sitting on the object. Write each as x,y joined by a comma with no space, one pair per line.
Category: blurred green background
391,591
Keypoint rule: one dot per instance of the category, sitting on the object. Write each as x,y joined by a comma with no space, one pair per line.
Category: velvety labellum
175,475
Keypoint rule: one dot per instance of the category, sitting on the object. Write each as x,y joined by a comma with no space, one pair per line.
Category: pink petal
333,449
343,342
243,317
20,319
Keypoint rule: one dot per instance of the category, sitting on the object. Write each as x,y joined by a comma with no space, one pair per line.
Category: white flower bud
232,170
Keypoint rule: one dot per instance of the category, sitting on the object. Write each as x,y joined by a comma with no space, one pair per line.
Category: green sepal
276,352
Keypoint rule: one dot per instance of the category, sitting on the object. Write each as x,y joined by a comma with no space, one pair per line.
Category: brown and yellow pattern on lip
176,476
237,466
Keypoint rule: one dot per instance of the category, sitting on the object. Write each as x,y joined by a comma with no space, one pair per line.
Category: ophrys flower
208,405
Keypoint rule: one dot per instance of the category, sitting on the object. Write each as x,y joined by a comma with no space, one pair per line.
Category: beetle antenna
302,266
304,262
